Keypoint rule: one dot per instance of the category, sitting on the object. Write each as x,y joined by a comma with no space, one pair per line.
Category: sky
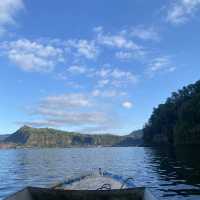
94,66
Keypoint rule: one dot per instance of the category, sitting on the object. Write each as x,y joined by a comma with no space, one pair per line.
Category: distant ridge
47,137
133,139
137,134
3,137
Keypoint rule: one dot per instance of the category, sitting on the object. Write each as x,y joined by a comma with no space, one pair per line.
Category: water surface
169,174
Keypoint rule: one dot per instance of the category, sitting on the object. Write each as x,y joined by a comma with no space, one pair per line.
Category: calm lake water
169,174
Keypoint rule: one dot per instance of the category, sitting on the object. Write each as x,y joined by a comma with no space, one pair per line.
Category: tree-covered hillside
177,121
46,137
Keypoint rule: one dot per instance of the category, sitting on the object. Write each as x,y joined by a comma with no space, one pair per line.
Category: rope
124,183
105,186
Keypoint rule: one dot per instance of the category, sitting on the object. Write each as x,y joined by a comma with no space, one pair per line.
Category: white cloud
66,101
127,104
120,74
171,69
96,93
107,93
39,123
144,33
8,11
85,48
104,76
161,64
77,69
127,55
124,55
115,73
182,10
98,29
68,110
122,42
103,72
69,119
103,82
33,56
115,41
115,77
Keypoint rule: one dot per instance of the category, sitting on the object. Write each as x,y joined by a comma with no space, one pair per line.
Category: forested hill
46,137
177,121
137,134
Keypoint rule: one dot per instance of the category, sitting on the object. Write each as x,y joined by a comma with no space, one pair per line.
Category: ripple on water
166,174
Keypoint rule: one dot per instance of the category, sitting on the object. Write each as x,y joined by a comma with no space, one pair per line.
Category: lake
169,174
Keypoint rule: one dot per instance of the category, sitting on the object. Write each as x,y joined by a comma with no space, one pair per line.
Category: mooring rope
105,186
124,183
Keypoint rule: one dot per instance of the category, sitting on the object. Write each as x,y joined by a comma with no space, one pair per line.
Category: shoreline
14,146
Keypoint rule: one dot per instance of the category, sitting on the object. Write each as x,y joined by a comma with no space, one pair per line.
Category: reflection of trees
178,170
190,159
178,166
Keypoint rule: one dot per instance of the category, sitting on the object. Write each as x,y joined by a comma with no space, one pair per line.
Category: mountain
46,137
138,134
3,137
177,121
133,139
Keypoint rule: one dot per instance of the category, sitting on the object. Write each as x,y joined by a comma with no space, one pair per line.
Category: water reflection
179,171
170,174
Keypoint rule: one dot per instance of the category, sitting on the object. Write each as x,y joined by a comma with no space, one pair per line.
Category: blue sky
94,66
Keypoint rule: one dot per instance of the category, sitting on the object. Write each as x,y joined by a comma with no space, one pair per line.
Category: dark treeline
177,121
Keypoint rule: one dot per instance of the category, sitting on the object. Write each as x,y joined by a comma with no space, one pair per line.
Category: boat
100,186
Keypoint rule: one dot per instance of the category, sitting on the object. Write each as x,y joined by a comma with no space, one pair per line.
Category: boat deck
93,183
102,186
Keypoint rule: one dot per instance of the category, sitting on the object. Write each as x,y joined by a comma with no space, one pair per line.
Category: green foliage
45,137
177,121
